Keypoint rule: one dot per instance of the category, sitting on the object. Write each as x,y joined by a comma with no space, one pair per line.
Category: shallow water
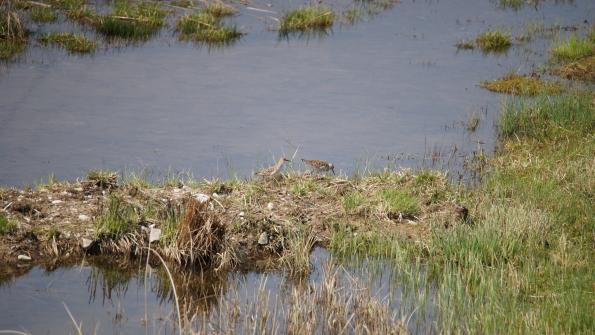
112,299
388,90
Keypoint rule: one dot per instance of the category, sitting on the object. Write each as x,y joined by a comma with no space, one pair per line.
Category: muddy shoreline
239,224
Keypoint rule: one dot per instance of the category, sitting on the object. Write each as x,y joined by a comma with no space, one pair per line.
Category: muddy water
391,88
115,300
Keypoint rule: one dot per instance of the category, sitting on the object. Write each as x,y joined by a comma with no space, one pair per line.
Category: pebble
24,258
84,217
263,239
56,202
86,243
242,214
154,235
201,197
270,206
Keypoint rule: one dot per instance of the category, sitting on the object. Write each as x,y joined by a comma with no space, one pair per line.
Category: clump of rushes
43,14
75,10
12,33
6,226
205,27
116,221
493,41
137,22
73,43
219,10
521,85
573,49
306,19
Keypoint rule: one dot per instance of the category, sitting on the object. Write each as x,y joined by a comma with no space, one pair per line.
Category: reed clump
207,26
43,14
137,21
13,39
493,41
310,18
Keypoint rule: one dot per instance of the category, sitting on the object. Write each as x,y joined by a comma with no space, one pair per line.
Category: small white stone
86,243
270,206
154,235
78,189
216,196
57,202
263,239
43,190
201,197
242,214
84,217
24,258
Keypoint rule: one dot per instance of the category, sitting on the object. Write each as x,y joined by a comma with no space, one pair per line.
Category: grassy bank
523,263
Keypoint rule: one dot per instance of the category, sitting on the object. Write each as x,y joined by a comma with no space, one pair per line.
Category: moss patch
521,85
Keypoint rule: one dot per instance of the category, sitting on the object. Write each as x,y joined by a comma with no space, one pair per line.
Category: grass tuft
465,45
203,26
582,69
493,41
116,220
219,10
572,49
13,38
400,202
43,15
6,226
521,85
132,21
306,19
73,43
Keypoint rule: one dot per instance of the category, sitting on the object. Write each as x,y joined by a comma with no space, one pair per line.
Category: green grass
493,41
43,15
521,85
10,49
514,4
182,3
398,201
13,39
547,116
203,26
74,10
352,202
572,49
73,43
116,220
137,21
525,265
306,19
219,10
6,226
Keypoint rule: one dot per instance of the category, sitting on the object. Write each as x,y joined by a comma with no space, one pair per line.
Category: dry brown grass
583,69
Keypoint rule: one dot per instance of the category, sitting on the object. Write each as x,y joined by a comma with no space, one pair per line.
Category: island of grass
516,84
207,26
304,19
73,43
493,41
137,21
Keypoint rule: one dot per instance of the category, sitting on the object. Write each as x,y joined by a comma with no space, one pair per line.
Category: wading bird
320,166
273,170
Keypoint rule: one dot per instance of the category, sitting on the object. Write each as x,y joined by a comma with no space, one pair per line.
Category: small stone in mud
84,217
57,202
263,239
86,243
270,206
154,235
24,258
201,197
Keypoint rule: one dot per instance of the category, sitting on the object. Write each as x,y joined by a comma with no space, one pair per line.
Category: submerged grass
13,39
493,41
73,43
306,19
521,85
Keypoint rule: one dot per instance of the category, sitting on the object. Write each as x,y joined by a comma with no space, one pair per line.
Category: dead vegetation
255,223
